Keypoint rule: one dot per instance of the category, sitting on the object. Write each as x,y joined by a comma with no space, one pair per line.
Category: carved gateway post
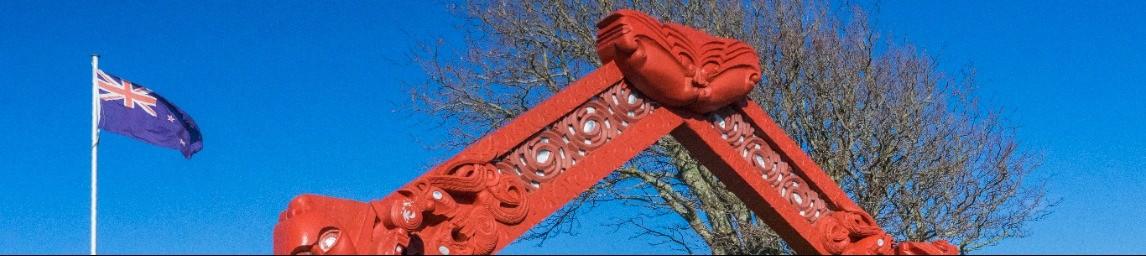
658,79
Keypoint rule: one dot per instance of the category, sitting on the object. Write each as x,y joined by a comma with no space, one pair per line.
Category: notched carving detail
462,209
741,135
853,233
458,211
677,65
557,148
472,205
843,231
941,247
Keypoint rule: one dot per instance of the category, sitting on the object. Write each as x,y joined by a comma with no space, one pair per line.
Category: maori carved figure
424,216
941,247
464,209
435,202
497,188
677,65
321,225
851,232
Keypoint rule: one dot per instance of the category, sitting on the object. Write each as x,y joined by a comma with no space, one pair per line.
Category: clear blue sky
307,97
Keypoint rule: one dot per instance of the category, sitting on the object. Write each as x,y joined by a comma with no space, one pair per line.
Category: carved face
318,225
676,65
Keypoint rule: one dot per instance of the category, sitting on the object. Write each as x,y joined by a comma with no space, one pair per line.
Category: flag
132,110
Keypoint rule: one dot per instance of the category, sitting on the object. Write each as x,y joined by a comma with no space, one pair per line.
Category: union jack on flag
113,88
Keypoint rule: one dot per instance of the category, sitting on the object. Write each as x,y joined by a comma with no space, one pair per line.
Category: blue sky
303,97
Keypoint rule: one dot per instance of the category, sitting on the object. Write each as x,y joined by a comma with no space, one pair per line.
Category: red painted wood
540,116
598,165
795,155
677,65
513,178
705,144
307,216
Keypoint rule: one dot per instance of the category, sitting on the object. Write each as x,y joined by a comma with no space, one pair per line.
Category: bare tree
908,142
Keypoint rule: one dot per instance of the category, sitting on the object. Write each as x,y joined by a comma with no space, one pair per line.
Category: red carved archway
658,79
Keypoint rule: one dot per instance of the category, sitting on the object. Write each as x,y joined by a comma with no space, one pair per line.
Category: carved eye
328,239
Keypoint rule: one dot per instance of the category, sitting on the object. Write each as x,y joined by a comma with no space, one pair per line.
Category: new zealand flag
134,111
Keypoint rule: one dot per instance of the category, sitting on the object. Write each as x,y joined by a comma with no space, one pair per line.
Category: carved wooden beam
659,79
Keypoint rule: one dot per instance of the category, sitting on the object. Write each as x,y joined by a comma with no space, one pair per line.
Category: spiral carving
471,198
542,158
852,232
842,231
471,206
741,135
556,149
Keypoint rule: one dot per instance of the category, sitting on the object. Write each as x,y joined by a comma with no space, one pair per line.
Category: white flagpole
95,146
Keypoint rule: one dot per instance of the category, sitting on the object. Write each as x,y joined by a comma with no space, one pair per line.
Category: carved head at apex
677,65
